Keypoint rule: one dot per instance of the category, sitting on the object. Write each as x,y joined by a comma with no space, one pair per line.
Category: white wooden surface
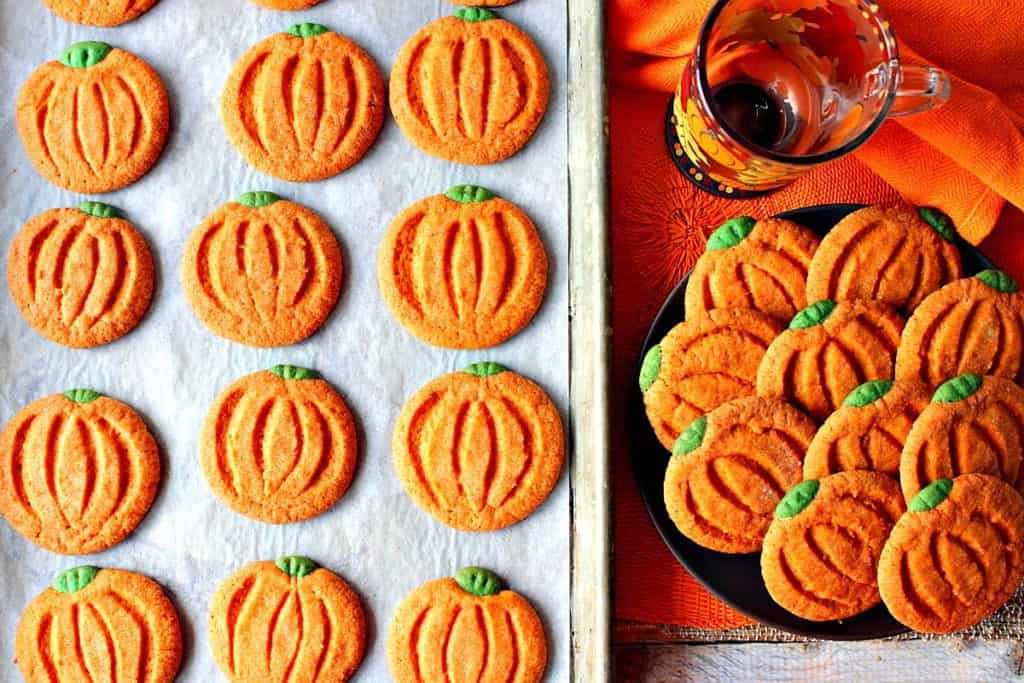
864,662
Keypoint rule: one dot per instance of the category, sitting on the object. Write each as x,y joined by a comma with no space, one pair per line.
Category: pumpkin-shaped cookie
466,629
702,363
730,468
868,431
479,449
956,556
303,105
828,351
470,88
99,12
463,270
289,620
80,277
94,121
821,551
262,271
79,472
99,625
279,445
973,424
756,264
973,325
894,255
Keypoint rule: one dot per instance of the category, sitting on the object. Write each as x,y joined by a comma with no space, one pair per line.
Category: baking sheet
171,368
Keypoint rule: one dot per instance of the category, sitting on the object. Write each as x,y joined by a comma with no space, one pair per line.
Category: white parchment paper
171,368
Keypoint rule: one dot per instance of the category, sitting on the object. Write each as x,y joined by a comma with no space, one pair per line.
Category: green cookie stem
650,368
692,437
82,395
293,372
957,389
930,496
296,566
730,233
815,314
868,393
85,54
307,30
99,209
258,199
796,499
475,14
478,581
469,194
75,579
485,369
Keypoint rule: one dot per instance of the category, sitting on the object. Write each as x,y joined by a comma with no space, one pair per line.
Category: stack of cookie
852,409
478,450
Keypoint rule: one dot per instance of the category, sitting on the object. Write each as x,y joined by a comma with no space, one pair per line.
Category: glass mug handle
919,89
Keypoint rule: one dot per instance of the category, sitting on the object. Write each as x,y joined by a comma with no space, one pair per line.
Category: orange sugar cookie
470,88
973,325
821,551
99,12
730,468
479,449
702,363
97,624
867,432
262,271
466,629
279,445
95,120
463,270
829,350
956,556
755,264
303,105
894,255
79,472
288,620
80,277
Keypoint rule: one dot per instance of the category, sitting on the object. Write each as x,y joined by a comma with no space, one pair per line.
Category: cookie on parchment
303,105
973,325
279,445
98,624
821,551
973,424
79,472
262,271
479,449
956,556
868,431
288,620
99,12
463,270
470,88
828,351
894,255
756,264
80,277
464,629
94,121
702,363
730,468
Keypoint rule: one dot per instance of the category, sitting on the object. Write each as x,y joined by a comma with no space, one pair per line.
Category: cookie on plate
973,424
756,264
894,255
730,468
828,351
80,277
97,624
99,12
279,445
821,551
868,431
463,270
702,363
973,325
466,628
479,449
95,120
470,88
79,472
288,620
303,105
956,556
262,271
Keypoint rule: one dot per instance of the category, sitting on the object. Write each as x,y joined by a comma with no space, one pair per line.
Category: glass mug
777,87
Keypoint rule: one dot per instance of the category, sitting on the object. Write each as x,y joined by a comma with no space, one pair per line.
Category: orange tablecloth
967,159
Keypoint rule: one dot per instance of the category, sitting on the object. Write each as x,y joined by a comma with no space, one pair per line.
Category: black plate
736,579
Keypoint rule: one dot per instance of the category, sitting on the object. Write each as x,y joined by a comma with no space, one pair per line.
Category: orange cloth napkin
966,158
